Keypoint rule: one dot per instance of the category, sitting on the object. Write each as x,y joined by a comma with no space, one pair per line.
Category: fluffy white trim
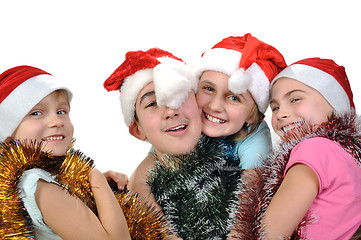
219,59
130,90
227,61
259,87
23,98
254,80
172,79
323,82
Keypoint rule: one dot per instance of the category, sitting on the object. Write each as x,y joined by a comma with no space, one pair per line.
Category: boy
157,94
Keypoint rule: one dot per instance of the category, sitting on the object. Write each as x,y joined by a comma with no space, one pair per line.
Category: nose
170,113
54,120
216,104
282,113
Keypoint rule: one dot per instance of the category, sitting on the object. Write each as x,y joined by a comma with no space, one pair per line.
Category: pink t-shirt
337,207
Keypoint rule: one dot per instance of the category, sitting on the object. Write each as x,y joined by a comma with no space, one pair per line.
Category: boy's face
171,131
223,112
48,121
292,101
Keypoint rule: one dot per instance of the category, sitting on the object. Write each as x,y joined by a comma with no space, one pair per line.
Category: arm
70,218
138,180
291,201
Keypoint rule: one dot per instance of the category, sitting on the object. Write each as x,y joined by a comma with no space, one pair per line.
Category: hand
116,180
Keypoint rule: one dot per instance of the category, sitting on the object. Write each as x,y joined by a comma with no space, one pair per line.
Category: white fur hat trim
172,79
326,84
23,98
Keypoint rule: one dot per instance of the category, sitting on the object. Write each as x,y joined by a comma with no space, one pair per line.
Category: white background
83,42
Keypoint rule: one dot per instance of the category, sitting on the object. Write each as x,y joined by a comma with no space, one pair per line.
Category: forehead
59,96
211,75
289,84
147,91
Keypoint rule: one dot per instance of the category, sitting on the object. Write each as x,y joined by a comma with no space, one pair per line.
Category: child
35,106
234,78
312,188
195,189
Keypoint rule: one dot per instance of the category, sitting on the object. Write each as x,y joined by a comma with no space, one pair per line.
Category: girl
312,183
234,78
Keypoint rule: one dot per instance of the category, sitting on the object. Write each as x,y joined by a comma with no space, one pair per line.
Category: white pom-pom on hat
172,78
240,81
260,63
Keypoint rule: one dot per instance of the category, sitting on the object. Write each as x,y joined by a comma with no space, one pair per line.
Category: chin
184,150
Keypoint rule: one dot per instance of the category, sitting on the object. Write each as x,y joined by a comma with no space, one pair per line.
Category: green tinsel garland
198,192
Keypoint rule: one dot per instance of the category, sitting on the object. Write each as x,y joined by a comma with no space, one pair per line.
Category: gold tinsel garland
71,172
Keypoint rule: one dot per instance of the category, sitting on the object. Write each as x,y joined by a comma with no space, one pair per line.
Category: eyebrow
288,94
206,81
147,94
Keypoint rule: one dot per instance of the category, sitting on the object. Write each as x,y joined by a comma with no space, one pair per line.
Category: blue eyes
61,112
234,98
39,113
208,89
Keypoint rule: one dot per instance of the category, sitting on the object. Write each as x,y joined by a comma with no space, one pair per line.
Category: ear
136,131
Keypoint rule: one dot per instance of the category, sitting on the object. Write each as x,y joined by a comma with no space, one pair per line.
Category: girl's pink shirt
336,211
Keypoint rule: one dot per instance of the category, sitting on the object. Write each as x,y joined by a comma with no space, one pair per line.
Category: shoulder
29,180
28,185
141,173
316,146
259,142
262,135
324,156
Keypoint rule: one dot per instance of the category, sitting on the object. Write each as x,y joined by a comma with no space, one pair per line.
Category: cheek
71,128
27,131
238,113
191,111
191,106
274,122
202,99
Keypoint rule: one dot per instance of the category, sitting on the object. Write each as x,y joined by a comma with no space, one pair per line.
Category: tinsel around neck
260,186
198,191
71,171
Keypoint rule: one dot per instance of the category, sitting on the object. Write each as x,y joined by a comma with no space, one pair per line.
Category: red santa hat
172,78
325,76
250,63
21,88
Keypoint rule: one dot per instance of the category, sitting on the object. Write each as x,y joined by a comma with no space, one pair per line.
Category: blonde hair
63,93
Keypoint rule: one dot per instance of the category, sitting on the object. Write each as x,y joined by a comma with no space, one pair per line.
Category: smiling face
48,121
223,112
171,131
293,101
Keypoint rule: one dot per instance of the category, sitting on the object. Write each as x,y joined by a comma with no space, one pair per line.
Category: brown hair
256,117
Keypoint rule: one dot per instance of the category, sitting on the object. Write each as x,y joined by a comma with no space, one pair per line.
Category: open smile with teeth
291,126
53,138
213,119
177,128
288,128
